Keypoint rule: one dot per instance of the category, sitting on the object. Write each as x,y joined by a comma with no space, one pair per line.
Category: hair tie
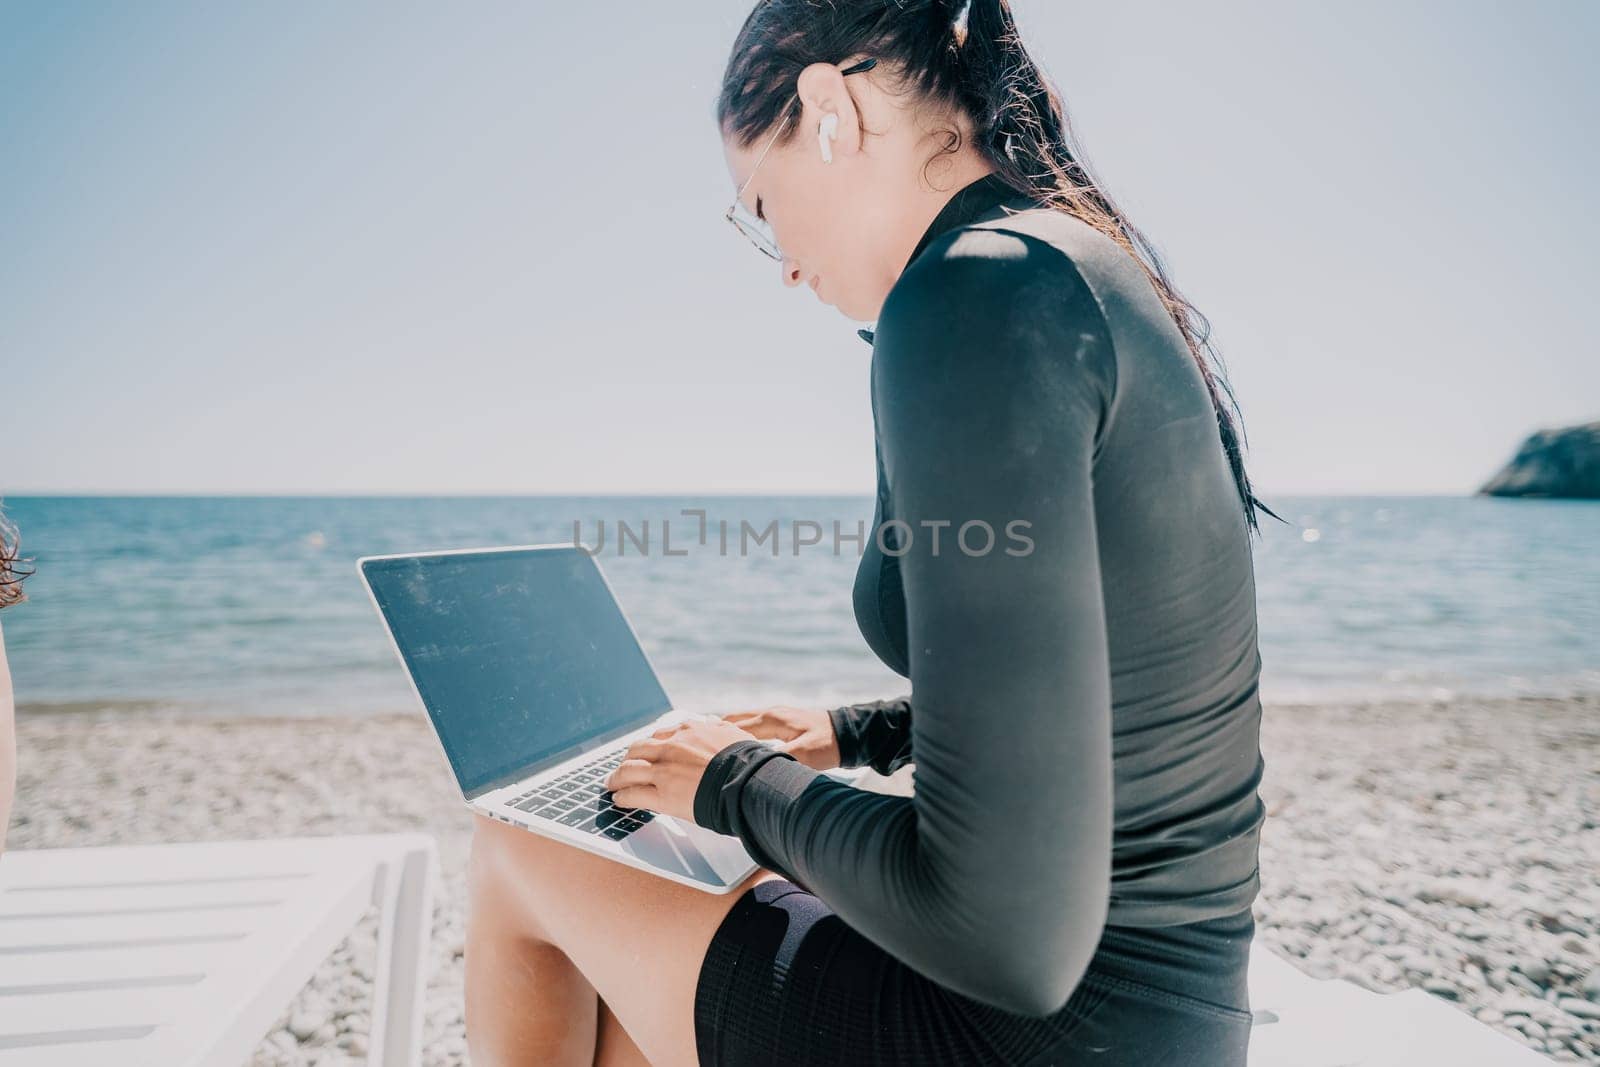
959,27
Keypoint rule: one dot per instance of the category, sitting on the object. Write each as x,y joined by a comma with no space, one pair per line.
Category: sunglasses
757,229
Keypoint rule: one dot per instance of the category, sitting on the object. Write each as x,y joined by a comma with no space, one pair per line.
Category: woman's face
847,227
827,217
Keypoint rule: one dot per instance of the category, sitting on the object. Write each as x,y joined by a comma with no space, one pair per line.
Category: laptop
536,684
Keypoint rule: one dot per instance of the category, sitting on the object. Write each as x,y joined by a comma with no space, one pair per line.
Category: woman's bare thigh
614,1047
637,938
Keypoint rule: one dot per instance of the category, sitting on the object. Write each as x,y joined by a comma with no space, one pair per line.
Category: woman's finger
768,728
647,748
629,772
638,796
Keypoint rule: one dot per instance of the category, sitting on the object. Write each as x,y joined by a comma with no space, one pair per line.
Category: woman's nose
792,275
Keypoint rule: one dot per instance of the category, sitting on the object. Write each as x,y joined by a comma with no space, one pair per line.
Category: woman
11,575
1064,575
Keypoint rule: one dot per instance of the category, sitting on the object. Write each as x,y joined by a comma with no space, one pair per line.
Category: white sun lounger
178,955
1303,1021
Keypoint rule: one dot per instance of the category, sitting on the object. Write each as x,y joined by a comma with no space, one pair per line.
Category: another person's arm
8,744
11,577
994,373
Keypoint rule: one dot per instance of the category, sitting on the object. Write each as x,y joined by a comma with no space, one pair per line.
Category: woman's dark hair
967,56
10,563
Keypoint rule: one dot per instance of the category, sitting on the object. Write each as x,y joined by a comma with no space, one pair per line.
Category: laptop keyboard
577,799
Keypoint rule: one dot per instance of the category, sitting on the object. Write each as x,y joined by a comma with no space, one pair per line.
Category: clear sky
374,247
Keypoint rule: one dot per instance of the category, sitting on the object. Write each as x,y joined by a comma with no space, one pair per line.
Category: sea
216,605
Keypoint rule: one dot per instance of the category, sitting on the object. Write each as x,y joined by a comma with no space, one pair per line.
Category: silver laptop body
535,683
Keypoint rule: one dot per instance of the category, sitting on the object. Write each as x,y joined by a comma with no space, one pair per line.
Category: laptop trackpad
689,850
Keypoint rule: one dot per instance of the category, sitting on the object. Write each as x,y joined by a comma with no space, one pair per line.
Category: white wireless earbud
827,130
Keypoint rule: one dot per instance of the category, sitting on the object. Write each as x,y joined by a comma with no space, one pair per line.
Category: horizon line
635,494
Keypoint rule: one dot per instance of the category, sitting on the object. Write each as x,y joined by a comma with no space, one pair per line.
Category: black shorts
786,982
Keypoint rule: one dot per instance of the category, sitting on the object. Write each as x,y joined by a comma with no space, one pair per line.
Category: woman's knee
499,885
485,853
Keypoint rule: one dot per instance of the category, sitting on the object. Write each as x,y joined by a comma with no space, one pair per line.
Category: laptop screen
519,654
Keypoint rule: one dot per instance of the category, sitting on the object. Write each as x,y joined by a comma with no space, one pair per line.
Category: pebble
1537,971
1523,982
1451,891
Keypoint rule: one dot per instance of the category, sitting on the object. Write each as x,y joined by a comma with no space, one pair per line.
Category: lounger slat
66,1013
107,1046
112,965
152,929
66,902
132,865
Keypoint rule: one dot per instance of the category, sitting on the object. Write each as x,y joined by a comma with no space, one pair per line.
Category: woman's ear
824,91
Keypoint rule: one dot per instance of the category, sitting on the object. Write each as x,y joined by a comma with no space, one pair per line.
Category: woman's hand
807,733
661,772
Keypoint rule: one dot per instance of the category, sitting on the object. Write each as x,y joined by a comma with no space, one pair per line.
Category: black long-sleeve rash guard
875,734
1083,674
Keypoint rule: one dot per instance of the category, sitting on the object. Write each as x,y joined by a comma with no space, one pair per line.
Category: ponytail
969,55
1022,128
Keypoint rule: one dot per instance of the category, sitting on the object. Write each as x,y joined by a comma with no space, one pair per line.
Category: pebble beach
1450,845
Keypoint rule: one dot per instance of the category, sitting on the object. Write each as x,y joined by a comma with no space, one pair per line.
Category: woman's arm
874,734
993,371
